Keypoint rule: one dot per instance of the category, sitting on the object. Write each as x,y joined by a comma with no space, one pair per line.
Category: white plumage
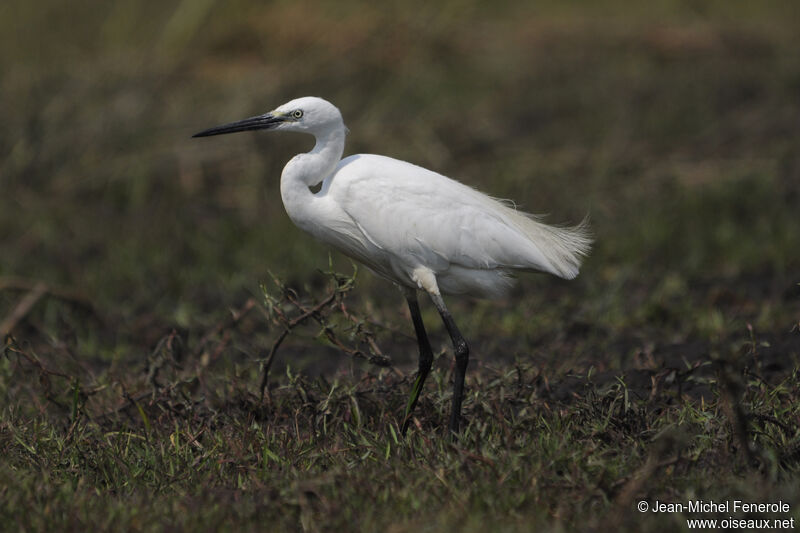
410,225
396,218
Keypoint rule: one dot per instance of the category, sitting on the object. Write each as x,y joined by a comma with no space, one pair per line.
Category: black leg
425,357
462,359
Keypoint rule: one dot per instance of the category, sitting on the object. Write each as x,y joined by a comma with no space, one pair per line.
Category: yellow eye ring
297,114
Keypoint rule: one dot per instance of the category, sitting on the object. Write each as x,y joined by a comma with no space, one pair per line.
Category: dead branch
22,308
229,322
32,359
288,325
62,293
332,302
44,372
166,353
377,358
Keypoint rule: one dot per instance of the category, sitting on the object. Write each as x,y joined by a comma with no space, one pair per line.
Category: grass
136,281
327,455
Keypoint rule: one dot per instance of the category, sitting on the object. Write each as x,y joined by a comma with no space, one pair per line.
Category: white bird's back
397,217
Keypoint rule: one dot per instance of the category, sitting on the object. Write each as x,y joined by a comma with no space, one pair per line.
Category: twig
44,372
631,485
22,308
12,347
767,418
167,351
334,300
378,358
62,293
268,363
731,389
369,336
288,326
232,320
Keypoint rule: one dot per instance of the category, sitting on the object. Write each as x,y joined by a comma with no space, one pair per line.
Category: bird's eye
297,114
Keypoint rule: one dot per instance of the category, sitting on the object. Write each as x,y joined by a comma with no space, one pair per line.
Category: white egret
412,226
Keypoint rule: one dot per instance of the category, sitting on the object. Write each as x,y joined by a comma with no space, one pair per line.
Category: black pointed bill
261,122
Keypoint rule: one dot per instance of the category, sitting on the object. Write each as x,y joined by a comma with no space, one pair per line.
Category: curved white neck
306,170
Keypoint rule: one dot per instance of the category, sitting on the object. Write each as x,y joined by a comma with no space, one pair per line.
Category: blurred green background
674,124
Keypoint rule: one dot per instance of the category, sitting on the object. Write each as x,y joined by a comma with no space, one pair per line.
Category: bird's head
308,114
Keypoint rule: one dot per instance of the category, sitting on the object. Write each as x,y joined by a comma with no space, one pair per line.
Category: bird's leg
425,356
462,358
